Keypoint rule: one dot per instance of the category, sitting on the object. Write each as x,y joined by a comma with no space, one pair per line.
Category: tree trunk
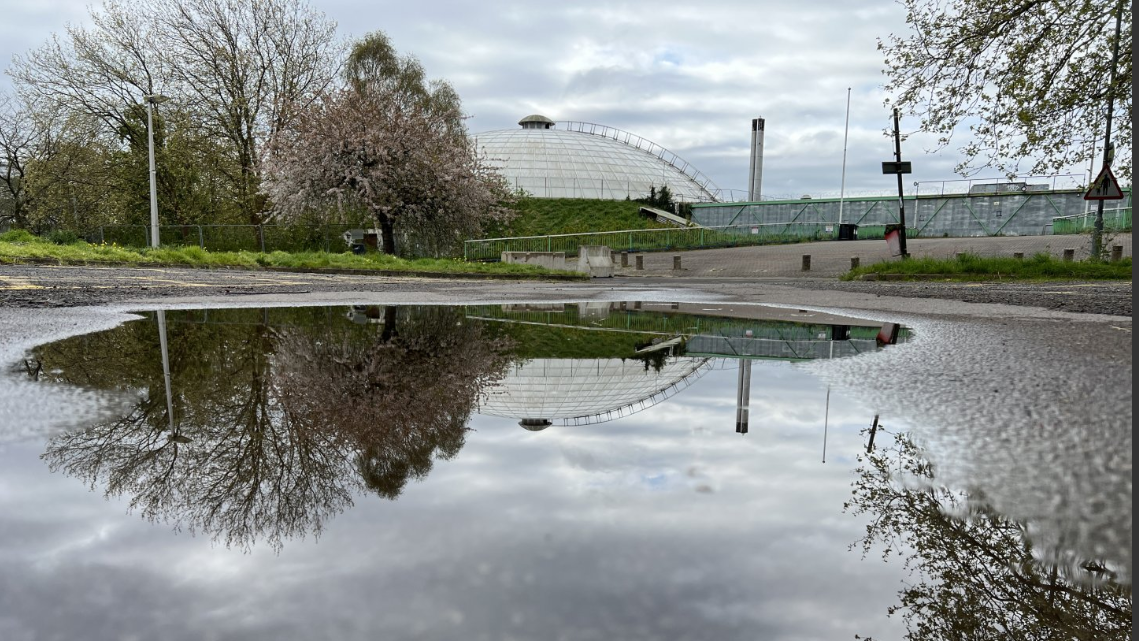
389,332
387,234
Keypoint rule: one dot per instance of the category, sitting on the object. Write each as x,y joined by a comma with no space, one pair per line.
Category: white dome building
587,160
574,391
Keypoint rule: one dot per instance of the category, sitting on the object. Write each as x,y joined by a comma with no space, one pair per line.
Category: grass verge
20,246
970,267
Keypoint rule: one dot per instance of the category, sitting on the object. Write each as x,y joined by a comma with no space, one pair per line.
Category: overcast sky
687,76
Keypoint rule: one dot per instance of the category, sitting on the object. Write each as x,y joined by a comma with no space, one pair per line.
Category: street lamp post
151,100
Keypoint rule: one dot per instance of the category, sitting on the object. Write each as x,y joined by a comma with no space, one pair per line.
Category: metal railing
1116,220
644,240
1001,185
252,238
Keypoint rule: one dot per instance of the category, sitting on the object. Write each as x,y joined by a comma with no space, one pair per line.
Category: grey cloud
701,73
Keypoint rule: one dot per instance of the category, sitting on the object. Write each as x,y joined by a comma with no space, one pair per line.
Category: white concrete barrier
596,260
549,260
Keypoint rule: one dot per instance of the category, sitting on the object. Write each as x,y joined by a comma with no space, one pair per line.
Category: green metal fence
1117,220
670,323
642,240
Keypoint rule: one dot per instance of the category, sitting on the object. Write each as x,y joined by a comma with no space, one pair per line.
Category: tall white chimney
755,173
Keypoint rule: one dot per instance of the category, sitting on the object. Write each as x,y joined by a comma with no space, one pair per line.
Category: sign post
898,167
1101,187
1104,187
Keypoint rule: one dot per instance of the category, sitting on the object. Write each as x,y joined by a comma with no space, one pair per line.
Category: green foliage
966,266
19,236
1030,79
63,237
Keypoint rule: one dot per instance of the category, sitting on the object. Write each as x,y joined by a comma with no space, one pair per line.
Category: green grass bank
20,246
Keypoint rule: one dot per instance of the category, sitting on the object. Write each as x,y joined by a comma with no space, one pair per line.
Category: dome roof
586,160
536,121
582,391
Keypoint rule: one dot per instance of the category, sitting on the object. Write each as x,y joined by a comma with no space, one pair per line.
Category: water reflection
271,428
972,571
260,425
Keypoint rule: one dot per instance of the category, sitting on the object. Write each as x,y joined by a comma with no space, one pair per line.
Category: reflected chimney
743,396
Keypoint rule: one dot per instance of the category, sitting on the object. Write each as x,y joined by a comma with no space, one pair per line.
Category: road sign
1104,187
892,167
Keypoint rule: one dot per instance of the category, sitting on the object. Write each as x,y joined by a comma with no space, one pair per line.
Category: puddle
612,470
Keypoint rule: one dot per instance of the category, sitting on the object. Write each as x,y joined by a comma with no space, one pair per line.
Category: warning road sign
1104,187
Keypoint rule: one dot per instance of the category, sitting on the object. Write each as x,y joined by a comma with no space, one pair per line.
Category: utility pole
151,101
845,136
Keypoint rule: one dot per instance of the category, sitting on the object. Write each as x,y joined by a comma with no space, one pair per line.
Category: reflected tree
975,572
400,401
275,426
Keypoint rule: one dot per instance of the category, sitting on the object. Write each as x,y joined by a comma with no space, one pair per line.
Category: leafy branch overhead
1030,79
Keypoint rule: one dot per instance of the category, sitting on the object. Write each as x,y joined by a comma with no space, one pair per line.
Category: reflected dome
582,391
587,160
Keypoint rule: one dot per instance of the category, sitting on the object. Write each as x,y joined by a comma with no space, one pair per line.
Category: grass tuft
973,267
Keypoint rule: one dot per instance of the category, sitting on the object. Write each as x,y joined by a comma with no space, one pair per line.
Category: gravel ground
38,286
1112,298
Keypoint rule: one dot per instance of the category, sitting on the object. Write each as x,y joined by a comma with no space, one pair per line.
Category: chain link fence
254,238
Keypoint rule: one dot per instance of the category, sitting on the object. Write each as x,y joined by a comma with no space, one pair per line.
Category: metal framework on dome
645,403
647,146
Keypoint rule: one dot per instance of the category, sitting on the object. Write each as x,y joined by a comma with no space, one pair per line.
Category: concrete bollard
806,262
1069,255
854,262
1116,253
1018,255
640,261
624,259
676,263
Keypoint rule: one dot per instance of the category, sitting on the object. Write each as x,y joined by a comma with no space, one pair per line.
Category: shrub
18,236
63,237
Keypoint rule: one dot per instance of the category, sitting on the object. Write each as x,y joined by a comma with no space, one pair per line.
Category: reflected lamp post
151,100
